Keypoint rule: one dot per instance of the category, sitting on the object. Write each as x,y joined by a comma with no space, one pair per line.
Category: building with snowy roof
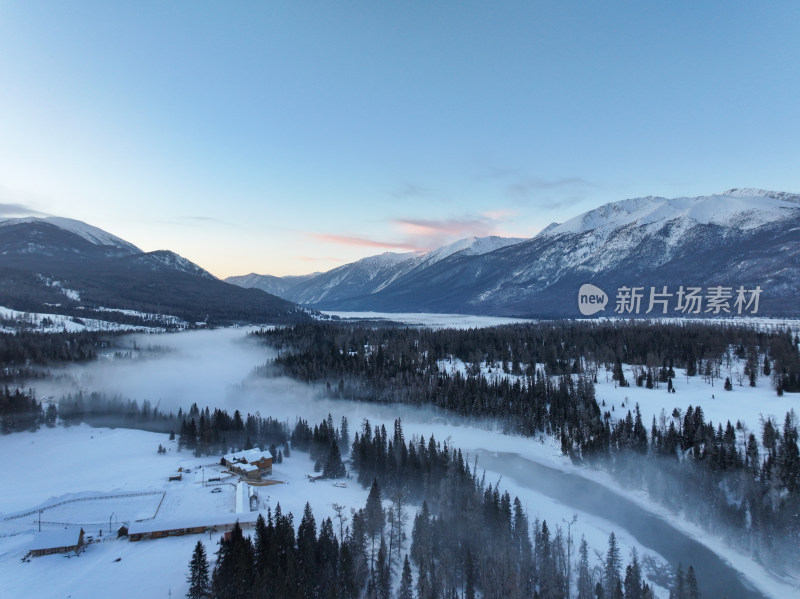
49,542
251,464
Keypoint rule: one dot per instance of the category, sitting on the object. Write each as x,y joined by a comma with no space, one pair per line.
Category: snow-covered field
120,477
97,466
434,321
50,323
744,403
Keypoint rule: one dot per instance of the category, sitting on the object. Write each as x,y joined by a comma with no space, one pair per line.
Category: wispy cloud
548,192
350,240
13,210
207,219
527,187
425,234
411,190
15,203
450,228
320,259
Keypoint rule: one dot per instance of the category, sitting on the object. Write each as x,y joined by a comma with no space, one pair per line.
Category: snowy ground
122,462
55,323
435,321
102,464
744,403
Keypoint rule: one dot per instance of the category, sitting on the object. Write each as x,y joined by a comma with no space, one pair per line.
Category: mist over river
218,369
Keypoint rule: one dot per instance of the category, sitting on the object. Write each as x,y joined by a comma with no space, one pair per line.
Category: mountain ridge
748,235
75,269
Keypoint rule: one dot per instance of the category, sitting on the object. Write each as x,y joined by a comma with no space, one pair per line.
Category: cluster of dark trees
556,365
323,444
469,539
206,432
742,487
23,354
21,411
330,352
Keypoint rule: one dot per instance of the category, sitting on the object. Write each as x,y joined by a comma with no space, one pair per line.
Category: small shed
57,541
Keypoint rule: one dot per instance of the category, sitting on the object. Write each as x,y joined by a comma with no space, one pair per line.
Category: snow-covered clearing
744,403
434,321
55,323
96,466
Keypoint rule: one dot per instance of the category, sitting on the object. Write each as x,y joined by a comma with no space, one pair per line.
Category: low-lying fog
217,369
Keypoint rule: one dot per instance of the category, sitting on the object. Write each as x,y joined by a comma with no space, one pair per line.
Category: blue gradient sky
290,137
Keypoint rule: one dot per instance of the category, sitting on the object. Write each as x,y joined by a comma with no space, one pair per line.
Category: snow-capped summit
372,274
743,237
469,246
88,232
737,208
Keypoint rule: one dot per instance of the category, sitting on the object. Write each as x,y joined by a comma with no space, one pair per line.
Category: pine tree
613,564
406,590
383,581
334,468
585,584
691,584
633,579
469,583
678,590
374,518
199,584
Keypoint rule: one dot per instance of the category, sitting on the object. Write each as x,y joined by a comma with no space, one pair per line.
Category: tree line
546,386
468,539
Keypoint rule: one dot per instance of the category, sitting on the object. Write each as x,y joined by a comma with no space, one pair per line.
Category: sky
292,137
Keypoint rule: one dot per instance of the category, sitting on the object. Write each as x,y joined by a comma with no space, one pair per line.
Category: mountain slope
369,275
742,237
68,267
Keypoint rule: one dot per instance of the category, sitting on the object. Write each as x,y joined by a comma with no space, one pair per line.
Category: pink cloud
363,242
421,234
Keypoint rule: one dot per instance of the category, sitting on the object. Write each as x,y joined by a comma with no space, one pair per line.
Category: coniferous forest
468,538
741,484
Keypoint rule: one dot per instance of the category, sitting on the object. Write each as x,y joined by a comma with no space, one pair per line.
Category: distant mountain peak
88,232
748,192
173,261
738,208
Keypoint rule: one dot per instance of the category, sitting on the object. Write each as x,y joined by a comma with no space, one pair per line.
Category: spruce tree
199,584
406,590
585,584
691,585
613,564
374,518
334,468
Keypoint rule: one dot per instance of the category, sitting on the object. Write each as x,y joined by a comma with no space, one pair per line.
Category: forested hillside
540,379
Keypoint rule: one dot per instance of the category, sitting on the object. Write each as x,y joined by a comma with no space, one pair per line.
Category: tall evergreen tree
613,565
374,519
199,584
585,582
692,591
334,468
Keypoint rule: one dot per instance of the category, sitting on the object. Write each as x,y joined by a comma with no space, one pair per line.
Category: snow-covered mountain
88,232
369,275
67,267
744,237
